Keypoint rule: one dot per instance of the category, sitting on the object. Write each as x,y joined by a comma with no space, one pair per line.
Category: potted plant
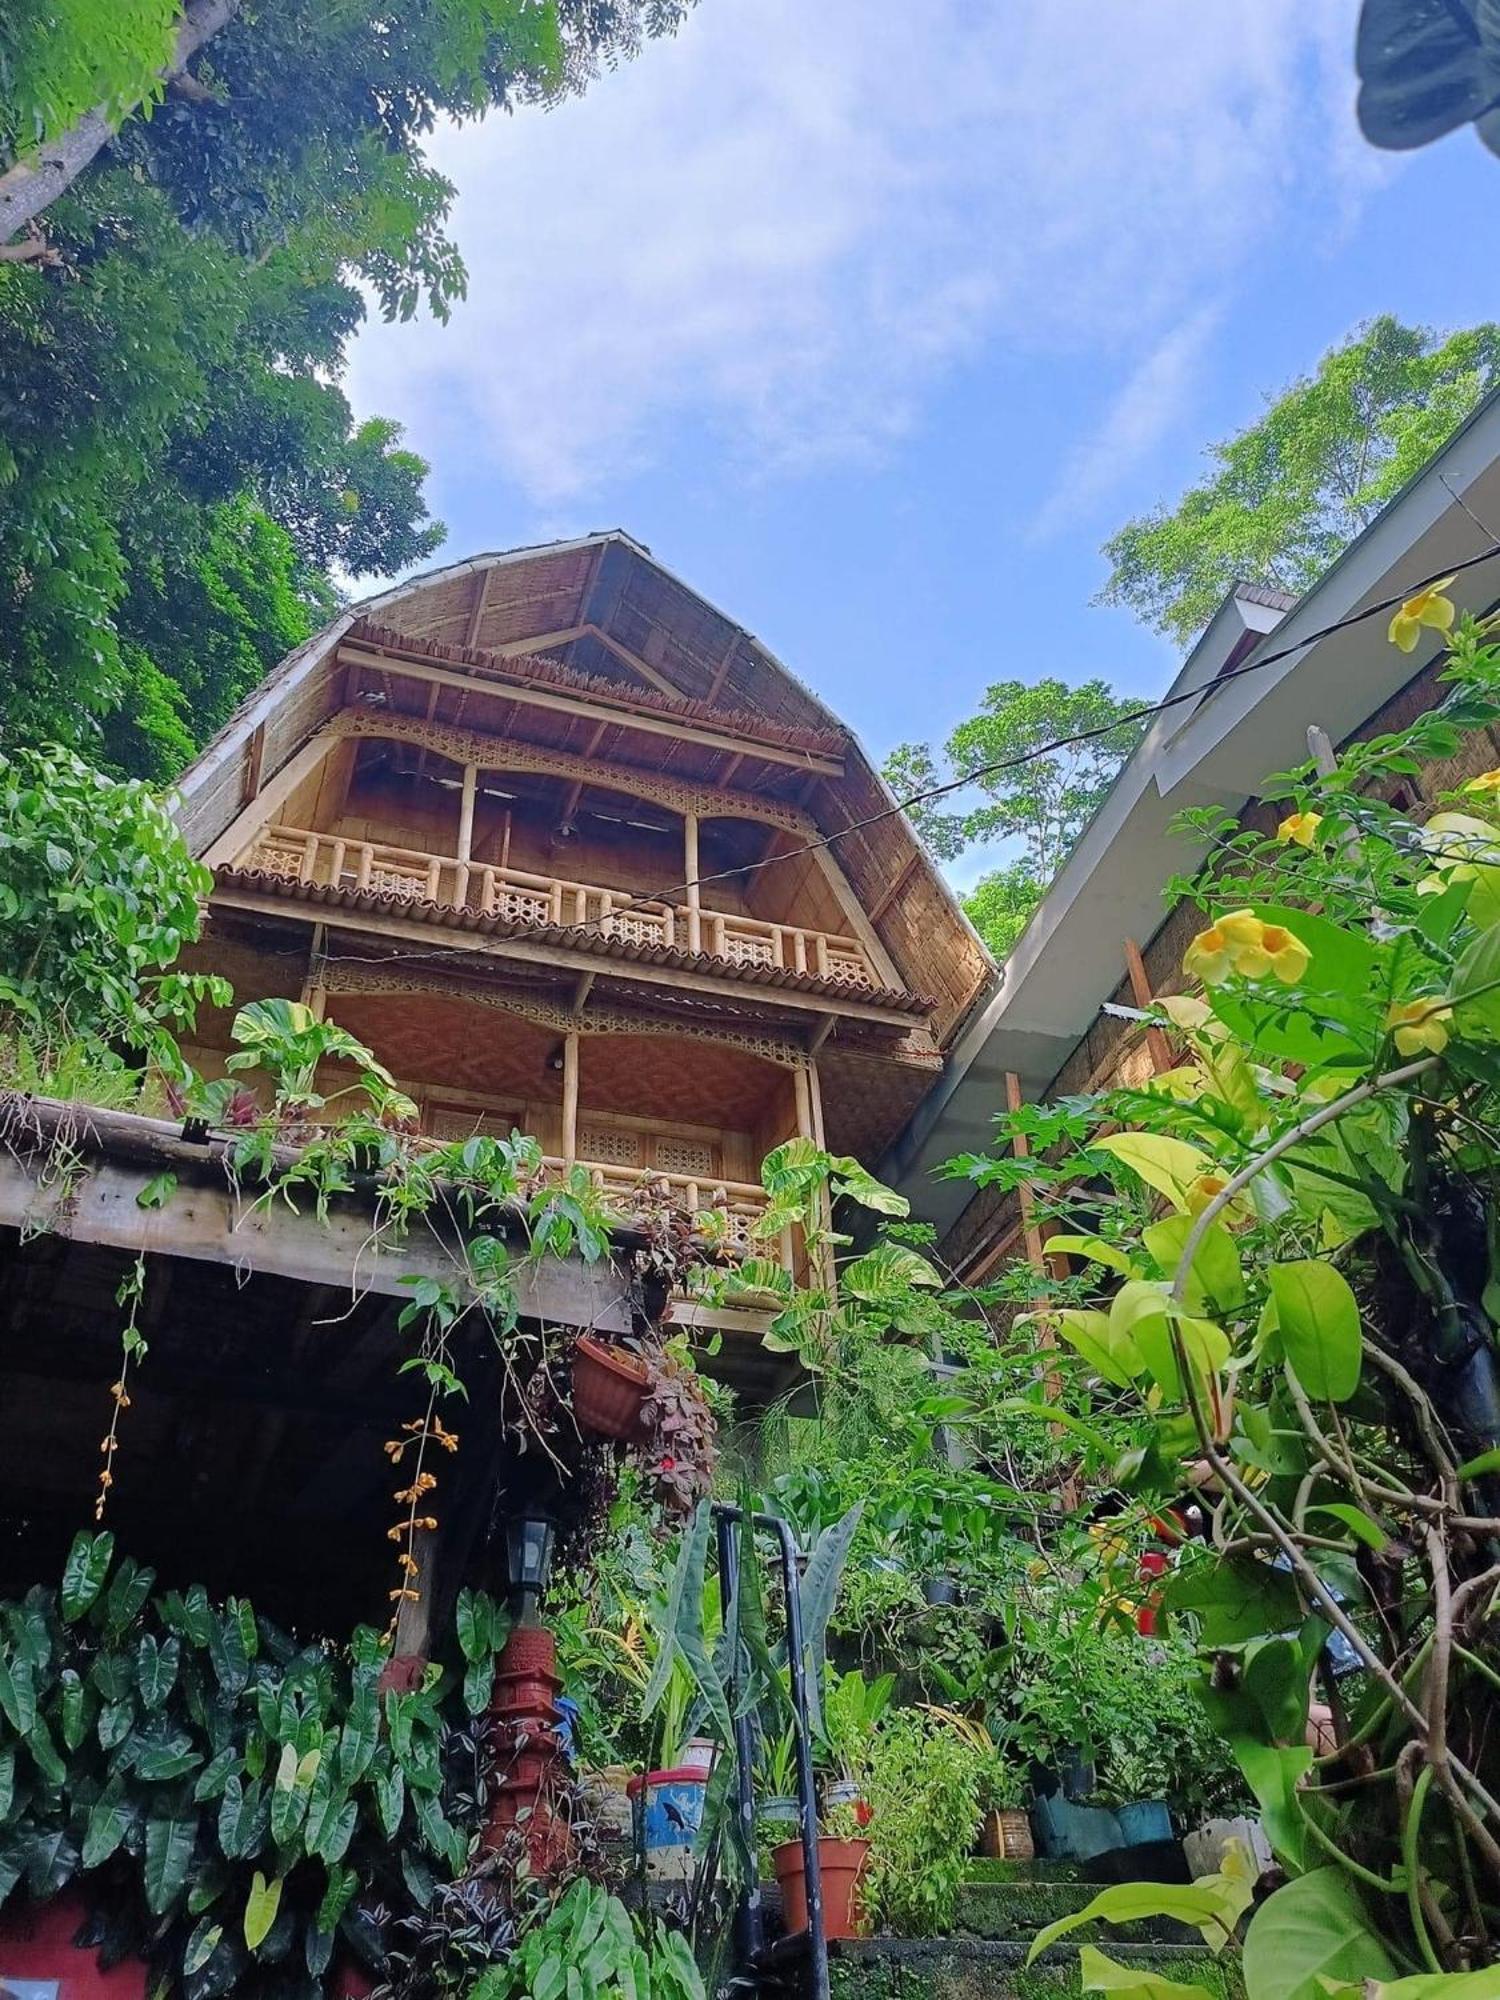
852,1711
843,1855
610,1386
1005,1831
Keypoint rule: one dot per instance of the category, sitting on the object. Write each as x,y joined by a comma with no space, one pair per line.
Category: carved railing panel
295,854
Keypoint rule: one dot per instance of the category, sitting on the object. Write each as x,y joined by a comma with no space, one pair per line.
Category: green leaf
261,1906
84,1573
228,1655
360,1735
1475,987
1094,1250
1168,1165
109,1821
1314,1928
1273,1772
169,1854
1216,1278
77,1707
202,1945
1475,1468
158,1191
18,1694
1361,1525
45,1754
1098,1974
7,1783
390,1799
1213,1905
156,1664
1320,1328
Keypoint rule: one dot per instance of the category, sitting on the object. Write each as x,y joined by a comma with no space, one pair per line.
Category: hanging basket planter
609,1388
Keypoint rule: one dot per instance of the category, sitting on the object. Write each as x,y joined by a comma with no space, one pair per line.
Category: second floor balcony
519,895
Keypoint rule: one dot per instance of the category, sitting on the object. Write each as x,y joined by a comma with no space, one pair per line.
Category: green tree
1291,491
1043,803
1000,905
172,361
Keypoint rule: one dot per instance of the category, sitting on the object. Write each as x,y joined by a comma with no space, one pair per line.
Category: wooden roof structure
590,651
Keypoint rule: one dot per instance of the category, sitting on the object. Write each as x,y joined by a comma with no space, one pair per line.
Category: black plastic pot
940,1591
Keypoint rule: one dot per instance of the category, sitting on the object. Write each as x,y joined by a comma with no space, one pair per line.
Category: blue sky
873,320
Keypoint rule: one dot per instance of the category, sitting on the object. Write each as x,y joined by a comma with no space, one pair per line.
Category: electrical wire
641,899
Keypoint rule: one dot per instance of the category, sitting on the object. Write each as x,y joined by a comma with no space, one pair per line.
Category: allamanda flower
1299,829
1240,942
1487,781
1418,1026
1428,607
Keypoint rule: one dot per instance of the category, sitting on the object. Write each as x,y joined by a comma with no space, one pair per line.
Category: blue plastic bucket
668,1816
1144,1821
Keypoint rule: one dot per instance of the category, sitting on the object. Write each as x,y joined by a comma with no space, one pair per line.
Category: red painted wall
37,1943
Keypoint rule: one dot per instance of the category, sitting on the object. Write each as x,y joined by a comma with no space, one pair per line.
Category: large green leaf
261,1906
1213,1905
156,1663
84,1573
1320,1330
1215,1279
1273,1772
1098,1974
18,1694
1169,1165
109,1821
1314,1928
169,1854
1475,987
816,1595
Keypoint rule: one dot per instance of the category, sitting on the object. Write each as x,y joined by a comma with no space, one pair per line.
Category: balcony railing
632,1191
298,855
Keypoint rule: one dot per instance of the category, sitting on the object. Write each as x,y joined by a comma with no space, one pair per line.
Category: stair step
981,1969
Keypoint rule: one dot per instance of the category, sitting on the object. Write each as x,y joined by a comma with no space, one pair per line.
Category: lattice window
272,858
639,927
610,1146
388,878
695,1157
742,950
451,1122
523,906
846,968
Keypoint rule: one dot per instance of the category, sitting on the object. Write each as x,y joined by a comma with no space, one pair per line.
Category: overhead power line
638,900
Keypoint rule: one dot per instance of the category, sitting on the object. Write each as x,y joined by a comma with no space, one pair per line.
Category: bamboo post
1140,987
690,880
570,1097
465,833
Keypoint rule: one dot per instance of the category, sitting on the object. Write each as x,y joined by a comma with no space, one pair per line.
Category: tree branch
29,188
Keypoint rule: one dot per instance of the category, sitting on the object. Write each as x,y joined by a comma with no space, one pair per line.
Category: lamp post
529,1540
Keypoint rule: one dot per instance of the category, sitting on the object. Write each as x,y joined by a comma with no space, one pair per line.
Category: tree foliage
1287,494
176,454
1044,803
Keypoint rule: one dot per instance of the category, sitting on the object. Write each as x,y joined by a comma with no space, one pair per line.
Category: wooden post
1140,988
466,826
1036,1257
314,992
570,1097
690,878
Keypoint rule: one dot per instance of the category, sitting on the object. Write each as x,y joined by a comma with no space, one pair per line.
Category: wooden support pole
1140,987
570,1097
690,878
1036,1257
465,832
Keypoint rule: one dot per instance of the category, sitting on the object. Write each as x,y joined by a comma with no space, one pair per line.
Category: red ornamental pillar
530,1761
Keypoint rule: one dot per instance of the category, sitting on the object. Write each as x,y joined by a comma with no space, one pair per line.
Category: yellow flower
1240,942
1289,956
1487,781
1301,829
1207,1188
1207,957
1417,1026
1428,607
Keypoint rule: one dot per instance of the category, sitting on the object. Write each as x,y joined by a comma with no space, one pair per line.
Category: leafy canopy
1287,494
1044,803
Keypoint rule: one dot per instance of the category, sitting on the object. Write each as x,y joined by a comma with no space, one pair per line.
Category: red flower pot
609,1389
840,1863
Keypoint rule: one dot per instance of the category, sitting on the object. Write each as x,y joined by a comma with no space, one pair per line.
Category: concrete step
982,1969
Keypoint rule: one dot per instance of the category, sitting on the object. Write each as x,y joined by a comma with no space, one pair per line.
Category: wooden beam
582,990
721,671
570,1097
820,1034
816,763
888,896
203,1222
476,609
690,881
1159,1048
857,920
544,642
263,808
255,753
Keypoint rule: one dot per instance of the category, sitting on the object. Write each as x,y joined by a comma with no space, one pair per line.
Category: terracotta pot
841,1863
1006,1836
609,1389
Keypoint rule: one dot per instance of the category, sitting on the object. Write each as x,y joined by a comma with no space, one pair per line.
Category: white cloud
783,226
1137,420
